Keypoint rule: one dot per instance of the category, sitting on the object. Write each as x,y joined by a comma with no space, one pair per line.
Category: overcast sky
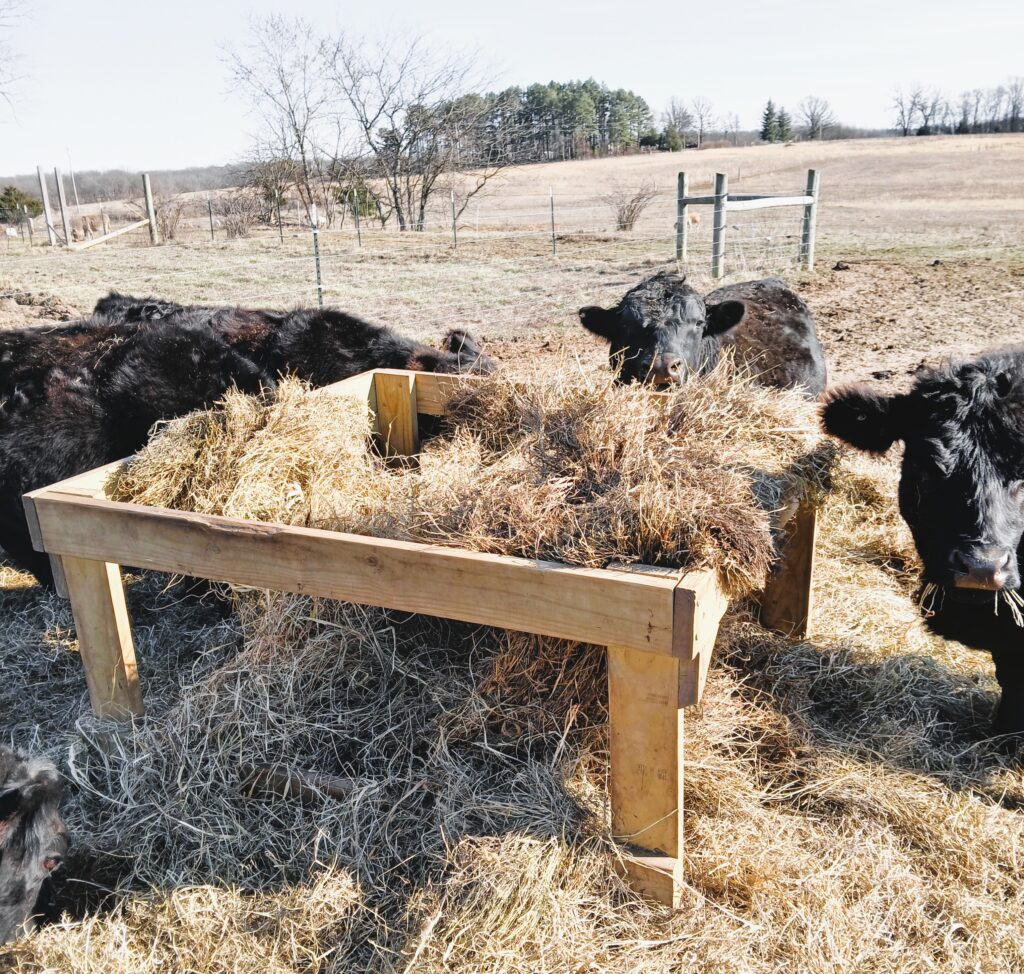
142,85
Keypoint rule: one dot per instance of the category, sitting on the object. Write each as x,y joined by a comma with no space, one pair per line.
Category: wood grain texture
397,423
104,636
787,603
591,605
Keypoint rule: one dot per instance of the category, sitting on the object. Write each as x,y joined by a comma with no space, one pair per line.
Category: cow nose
53,863
987,567
666,368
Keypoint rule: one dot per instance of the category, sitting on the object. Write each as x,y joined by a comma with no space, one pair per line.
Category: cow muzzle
666,369
990,568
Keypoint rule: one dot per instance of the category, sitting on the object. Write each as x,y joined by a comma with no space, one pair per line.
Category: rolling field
845,810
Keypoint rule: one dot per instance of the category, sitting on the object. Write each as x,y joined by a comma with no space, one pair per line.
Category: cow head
662,331
33,840
962,483
459,352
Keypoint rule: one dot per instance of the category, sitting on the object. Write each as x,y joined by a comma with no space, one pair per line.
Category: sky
142,85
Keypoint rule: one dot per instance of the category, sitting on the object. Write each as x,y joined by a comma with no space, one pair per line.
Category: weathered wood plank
104,636
397,423
109,236
787,603
592,605
700,604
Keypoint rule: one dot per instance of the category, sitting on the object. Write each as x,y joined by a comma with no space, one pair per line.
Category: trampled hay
843,810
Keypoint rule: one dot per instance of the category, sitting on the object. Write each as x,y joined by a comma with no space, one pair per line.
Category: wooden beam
397,424
766,201
700,604
109,236
591,605
645,720
787,603
104,636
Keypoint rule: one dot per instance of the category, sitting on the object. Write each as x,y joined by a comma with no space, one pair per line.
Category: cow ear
862,418
724,317
601,322
461,343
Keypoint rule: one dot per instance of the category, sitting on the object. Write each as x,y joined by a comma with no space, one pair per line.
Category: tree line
921,110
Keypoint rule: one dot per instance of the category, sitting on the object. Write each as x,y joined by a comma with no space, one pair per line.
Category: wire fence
508,265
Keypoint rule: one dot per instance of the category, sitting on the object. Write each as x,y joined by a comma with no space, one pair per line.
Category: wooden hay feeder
659,625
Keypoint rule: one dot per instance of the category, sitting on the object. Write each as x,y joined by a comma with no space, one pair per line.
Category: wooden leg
104,636
396,413
646,781
787,601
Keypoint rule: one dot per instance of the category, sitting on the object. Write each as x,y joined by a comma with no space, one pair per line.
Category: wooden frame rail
659,625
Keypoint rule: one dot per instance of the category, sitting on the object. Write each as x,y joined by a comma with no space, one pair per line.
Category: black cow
962,495
663,331
33,840
78,396
319,345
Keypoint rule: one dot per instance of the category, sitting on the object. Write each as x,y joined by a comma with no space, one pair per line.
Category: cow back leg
1009,717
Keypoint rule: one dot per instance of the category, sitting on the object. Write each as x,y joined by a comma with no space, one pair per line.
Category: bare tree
703,114
10,12
732,127
281,72
414,126
994,107
1015,102
817,116
628,204
905,106
240,210
929,105
677,118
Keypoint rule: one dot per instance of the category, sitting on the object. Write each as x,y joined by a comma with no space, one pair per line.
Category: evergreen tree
769,123
11,201
784,125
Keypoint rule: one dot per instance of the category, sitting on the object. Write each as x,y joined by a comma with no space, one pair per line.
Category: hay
843,809
582,471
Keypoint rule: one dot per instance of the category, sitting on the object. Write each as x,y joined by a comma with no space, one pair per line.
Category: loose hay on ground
843,810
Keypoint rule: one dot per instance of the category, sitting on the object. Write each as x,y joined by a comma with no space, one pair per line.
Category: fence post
280,226
45,193
354,200
682,191
209,210
554,249
810,220
315,221
154,233
455,232
63,203
28,220
718,229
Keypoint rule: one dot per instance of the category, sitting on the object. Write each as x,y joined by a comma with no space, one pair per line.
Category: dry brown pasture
844,808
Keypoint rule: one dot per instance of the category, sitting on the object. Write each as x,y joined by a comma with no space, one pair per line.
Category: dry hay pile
843,811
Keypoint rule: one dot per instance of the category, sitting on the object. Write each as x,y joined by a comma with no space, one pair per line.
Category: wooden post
104,636
28,221
647,694
314,221
455,231
63,203
355,215
554,248
209,210
718,227
280,225
682,191
154,232
787,601
810,220
397,420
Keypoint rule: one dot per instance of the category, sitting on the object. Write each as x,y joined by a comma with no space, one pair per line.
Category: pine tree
769,124
784,125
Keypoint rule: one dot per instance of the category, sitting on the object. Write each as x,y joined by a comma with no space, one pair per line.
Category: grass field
845,810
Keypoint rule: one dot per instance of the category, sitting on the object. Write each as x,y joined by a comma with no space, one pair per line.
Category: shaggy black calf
74,398
78,396
318,345
33,840
663,331
962,495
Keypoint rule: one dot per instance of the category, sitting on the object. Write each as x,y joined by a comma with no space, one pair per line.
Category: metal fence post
314,221
209,209
354,200
455,232
63,203
718,229
810,220
280,225
154,233
554,249
682,191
